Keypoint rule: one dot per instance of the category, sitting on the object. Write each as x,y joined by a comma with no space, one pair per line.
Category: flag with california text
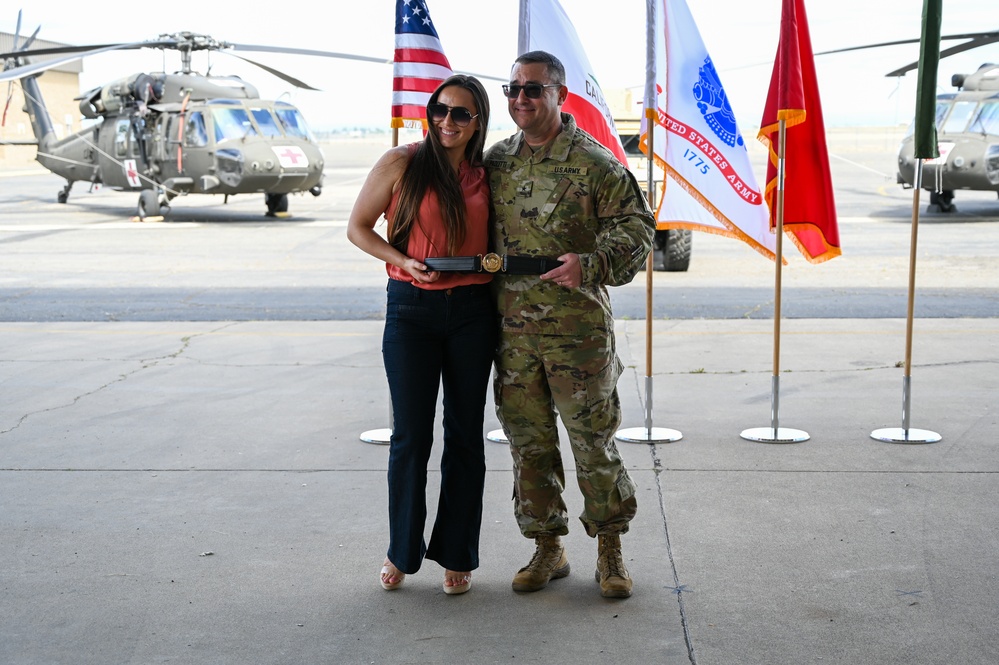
809,214
419,64
544,26
710,184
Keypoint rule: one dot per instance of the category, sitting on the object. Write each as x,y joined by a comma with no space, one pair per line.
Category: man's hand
569,274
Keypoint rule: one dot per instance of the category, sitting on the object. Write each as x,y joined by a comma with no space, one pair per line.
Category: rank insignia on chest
525,188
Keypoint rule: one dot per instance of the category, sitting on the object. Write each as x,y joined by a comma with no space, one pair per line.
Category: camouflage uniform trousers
537,375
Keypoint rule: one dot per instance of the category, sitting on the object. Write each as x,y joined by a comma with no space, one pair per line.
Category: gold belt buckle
491,262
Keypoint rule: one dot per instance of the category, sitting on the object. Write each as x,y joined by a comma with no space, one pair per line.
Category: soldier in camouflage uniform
558,193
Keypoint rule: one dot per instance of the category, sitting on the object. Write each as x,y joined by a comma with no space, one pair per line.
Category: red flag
419,64
809,207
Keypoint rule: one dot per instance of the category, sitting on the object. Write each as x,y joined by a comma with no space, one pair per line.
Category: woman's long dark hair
429,169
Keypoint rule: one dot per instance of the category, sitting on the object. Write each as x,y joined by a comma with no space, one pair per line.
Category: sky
481,37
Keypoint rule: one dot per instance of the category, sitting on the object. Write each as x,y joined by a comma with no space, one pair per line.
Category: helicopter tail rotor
10,84
13,63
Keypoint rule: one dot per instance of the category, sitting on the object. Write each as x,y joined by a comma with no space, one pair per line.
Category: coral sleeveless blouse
428,238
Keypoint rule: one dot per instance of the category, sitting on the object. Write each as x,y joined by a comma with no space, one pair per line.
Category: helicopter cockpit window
195,133
293,122
942,108
941,113
232,123
987,120
958,118
265,121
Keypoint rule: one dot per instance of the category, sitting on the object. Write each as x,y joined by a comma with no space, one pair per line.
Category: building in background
59,85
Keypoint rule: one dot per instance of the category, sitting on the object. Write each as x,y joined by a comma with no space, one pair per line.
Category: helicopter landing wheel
277,205
63,194
942,201
149,204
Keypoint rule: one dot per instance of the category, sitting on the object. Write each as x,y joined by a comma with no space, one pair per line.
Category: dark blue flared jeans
435,338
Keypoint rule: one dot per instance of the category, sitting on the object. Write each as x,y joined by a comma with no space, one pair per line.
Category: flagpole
905,434
924,146
383,436
775,433
649,434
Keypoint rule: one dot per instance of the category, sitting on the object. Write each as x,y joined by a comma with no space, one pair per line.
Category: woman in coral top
440,328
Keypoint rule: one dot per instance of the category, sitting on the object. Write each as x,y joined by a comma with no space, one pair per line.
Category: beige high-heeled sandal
390,572
463,582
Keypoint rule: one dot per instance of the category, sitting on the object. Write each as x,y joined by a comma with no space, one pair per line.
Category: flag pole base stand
902,435
381,437
775,435
648,435
497,436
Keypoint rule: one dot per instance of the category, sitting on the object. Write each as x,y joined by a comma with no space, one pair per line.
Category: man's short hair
553,66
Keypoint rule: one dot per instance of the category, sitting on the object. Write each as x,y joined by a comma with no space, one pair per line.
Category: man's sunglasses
459,114
532,90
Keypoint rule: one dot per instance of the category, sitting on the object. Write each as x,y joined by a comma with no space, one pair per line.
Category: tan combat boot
548,563
615,582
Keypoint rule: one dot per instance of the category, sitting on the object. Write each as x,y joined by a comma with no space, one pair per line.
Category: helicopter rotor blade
305,51
17,29
974,36
30,40
184,42
10,84
281,75
960,48
75,53
975,39
344,56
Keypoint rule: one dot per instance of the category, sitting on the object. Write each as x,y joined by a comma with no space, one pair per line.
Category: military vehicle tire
676,258
942,201
149,203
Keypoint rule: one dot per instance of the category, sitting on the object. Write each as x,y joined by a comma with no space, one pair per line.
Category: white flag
544,26
697,142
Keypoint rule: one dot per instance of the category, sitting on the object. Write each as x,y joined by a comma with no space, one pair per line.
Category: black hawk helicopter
165,135
967,139
967,128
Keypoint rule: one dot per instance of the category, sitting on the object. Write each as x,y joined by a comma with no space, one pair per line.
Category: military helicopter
967,128
967,139
167,135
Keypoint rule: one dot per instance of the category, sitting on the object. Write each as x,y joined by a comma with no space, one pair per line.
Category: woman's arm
371,203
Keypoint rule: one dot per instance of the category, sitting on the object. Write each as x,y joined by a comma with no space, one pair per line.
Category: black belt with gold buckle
511,265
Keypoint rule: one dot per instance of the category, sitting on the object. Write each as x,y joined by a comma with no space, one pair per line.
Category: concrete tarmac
197,491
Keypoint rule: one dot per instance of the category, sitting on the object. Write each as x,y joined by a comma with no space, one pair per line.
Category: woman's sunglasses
459,114
532,90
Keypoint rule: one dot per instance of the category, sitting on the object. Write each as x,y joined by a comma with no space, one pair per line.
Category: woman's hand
419,271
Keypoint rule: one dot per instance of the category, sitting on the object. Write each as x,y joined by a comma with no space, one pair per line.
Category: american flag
419,64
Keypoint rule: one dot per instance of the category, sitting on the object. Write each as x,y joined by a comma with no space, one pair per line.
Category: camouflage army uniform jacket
571,196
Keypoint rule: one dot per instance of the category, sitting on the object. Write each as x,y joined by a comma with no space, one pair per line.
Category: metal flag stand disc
774,435
497,436
902,435
381,437
648,435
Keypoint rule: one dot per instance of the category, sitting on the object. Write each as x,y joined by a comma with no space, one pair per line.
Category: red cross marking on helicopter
132,173
293,154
